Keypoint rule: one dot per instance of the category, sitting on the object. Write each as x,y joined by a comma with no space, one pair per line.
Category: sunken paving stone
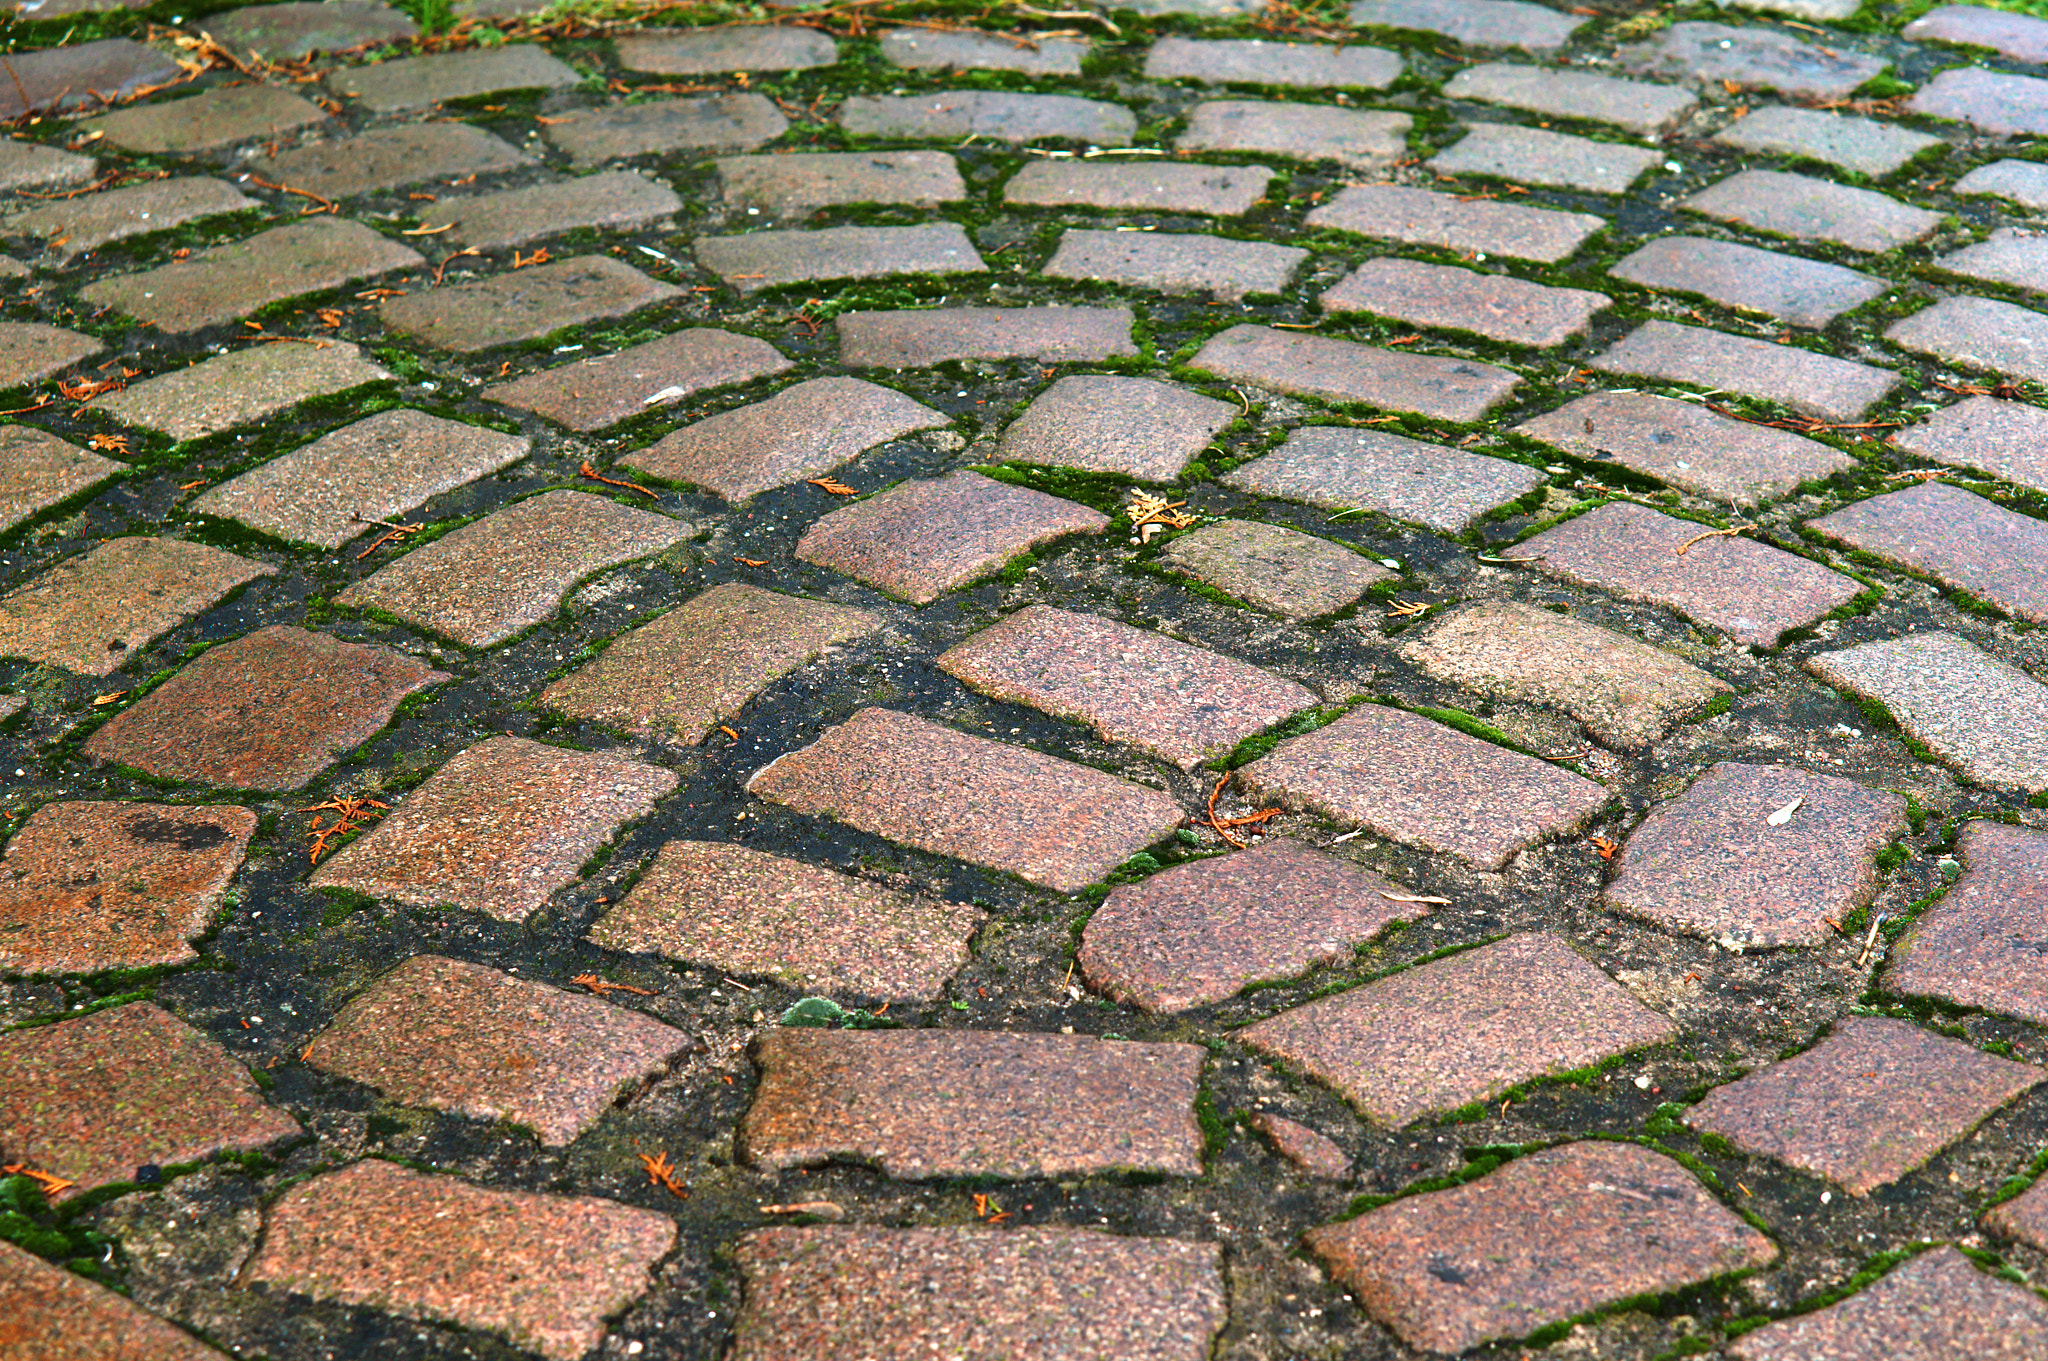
1990,101
1818,384
1179,702
416,82
1357,138
1476,23
1803,292
770,259
1223,190
2025,1217
544,1271
92,1098
82,75
59,1315
1175,262
591,394
211,121
1710,863
675,679
1415,781
38,471
804,431
1045,820
2010,35
1687,446
1424,217
920,339
1979,715
1626,692
1315,66
950,115
1346,468
918,1104
1532,156
1442,1035
1345,371
1861,145
802,181
454,1036
240,387
1978,333
87,223
1557,1233
88,886
718,123
525,304
1808,209
1205,930
923,537
90,613
743,912
1051,1294
2023,182
1105,423
1291,574
2010,255
960,50
1932,1308
390,158
1642,108
1759,57
1315,1154
2006,439
721,51
269,710
330,491
1961,540
1497,306
1981,944
1865,1106
27,165
302,27
612,201
31,351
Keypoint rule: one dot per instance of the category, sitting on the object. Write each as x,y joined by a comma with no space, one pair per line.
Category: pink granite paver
615,200
1981,944
239,387
730,122
1101,422
721,51
93,220
1978,333
1497,306
2023,182
2012,35
417,82
1991,101
1803,292
2006,439
1936,1307
212,120
1175,262
38,471
1425,217
770,259
525,304
1962,541
1356,138
1808,209
1861,145
1315,1154
1645,109
1223,190
1476,23
1012,809
919,339
498,828
2010,255
592,394
1241,61
801,181
1533,156
91,613
31,351
1753,56
1818,384
50,1314
543,1270
389,158
1344,371
2025,1217
1291,574
950,115
1345,468
955,50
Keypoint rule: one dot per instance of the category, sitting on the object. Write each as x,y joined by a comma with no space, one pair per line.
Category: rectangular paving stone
417,82
1424,217
1643,108
91,612
1175,262
1345,468
1415,781
1865,1106
2023,182
1106,423
1533,156
1497,306
1242,61
1162,186
63,1316
757,260
2011,35
1978,333
1936,1306
1862,145
1344,371
1752,56
2007,439
299,28
1817,384
1283,571
1356,138
212,120
1555,1234
1808,209
78,75
239,387
502,574
1990,101
525,304
922,338
960,50
93,220
591,394
1962,541
29,165
38,471
737,122
811,928
1045,820
32,351
1981,944
542,1270
950,115
721,51
613,201
2010,255
1802,292
389,158
917,1104
804,181
1981,716
1475,23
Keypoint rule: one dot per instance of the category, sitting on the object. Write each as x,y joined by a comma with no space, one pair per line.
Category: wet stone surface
591,394
69,1318
1497,306
90,613
1172,262
1134,426
1960,540
38,471
1980,945
1295,575
1404,479
1937,1305
1345,371
239,387
524,305
1819,384
1808,209
1425,217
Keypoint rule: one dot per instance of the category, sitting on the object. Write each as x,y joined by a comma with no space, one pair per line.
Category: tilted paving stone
1107,423
544,1271
1808,209
1315,1154
1980,945
612,201
1415,781
1356,138
300,28
87,223
38,471
1346,371
950,115
417,82
95,1097
1424,217
1961,540
213,120
1862,145
953,50
1978,333
239,387
1763,57
1476,23
527,304
1203,931
757,260
1625,692
1991,101
1045,820
1175,262
1532,156
93,885
2011,35
2007,439
1240,61
504,573
717,123
1748,590
32,351
1981,716
1284,571
1936,1306
2010,255
1687,446
454,1036
802,181
390,158
721,51
1552,1235
676,678
2024,182
919,339
1436,1037
1876,1099
269,710
1805,380
1052,1294
26,165
1803,292
2025,1217
1643,108
743,912
1223,190
91,612
591,394
49,1313
899,1100
1497,306
83,75
1346,468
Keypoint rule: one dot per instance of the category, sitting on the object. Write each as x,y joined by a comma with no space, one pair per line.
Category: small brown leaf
835,487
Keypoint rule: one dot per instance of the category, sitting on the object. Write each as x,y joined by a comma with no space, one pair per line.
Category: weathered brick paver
1984,717
1979,333
1242,61
1991,101
940,50
542,1270
1315,1154
239,387
715,123
1803,292
48,1313
591,394
210,121
1476,23
33,351
2007,439
1746,56
614,200
390,158
1980,945
1819,384
954,114
1497,306
1425,217
1344,468
300,28
1532,156
800,181
2010,255
1010,808
919,339
1862,145
1135,426
59,78
525,305
1808,209
716,51
1643,108
38,471
1224,190
1960,540
87,223
1345,371
416,82
1936,1306
2024,182
1175,262
1358,138
90,613
1292,574
759,260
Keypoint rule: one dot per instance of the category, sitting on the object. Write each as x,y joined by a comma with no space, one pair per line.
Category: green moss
1259,743
1718,1146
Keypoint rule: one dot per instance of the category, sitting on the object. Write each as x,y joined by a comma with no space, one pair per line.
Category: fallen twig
597,476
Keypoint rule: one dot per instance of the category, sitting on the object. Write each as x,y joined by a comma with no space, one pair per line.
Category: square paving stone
1284,571
505,573
90,613
1415,781
1175,262
1818,384
1962,541
959,50
38,471
1239,61
591,394
1497,306
920,1104
543,1270
612,201
212,120
2023,182
1105,423
2011,35
1356,138
299,28
1935,1307
1475,23
920,339
721,51
1554,1234
93,1098
525,304
1807,209
950,115
1990,101
1979,715
1345,371
82,74
389,158
2006,439
803,181
28,165
1760,57
715,123
1645,109
91,221
1803,292
1978,333
1012,809
1687,446
924,537
1981,944
1626,692
675,679
416,82
1463,1029
454,1036
32,351
808,927
50,1314
1865,1106
771,259
1861,145
239,387
1424,217
1345,468
1223,190
1532,156
2010,255
1179,702
1205,930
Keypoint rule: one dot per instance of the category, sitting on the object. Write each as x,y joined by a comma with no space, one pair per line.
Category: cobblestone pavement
877,681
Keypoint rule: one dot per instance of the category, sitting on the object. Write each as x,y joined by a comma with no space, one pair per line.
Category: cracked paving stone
1862,146
771,259
1313,66
498,828
1314,1154
417,82
1532,156
1358,138
1963,541
1981,944
1220,190
721,51
93,220
803,181
2010,255
31,351
1475,23
1932,1308
1175,262
1415,781
811,928
1803,292
1344,468
1107,423
1303,365
2006,439
453,1036
82,74
1808,209
1991,101
212,120
614,200
944,50
1012,809
591,394
299,28
390,158
544,1271
1645,109
1497,306
239,387
27,165
894,1099
90,613
1867,1105
2023,182
1978,333
38,471
1818,384
1283,571
59,1315
950,115
1462,1029
1756,57
921,338
2011,35
737,122
1425,217
1557,1233
526,304
269,710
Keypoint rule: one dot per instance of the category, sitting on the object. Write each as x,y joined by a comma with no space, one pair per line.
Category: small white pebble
1826,1196
1643,1083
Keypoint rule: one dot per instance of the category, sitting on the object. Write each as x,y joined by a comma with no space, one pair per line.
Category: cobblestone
1754,57
1978,333
612,200
38,471
1476,23
1975,947
1345,371
803,181
1533,156
2011,35
2023,182
390,158
940,50
1961,540
27,165
1937,1305
418,82
1819,384
1241,61
504,309
1803,292
1356,138
86,224
33,351
950,115
1497,306
1642,108
715,123
1174,262
212,121
66,1317
771,259
1224,190
1404,479
2010,255
90,613
1314,1154
916,340
1294,575
715,51
1134,426
299,28
1807,209
1862,145
2006,439
240,387
1990,101
592,394
57,78
1423,217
